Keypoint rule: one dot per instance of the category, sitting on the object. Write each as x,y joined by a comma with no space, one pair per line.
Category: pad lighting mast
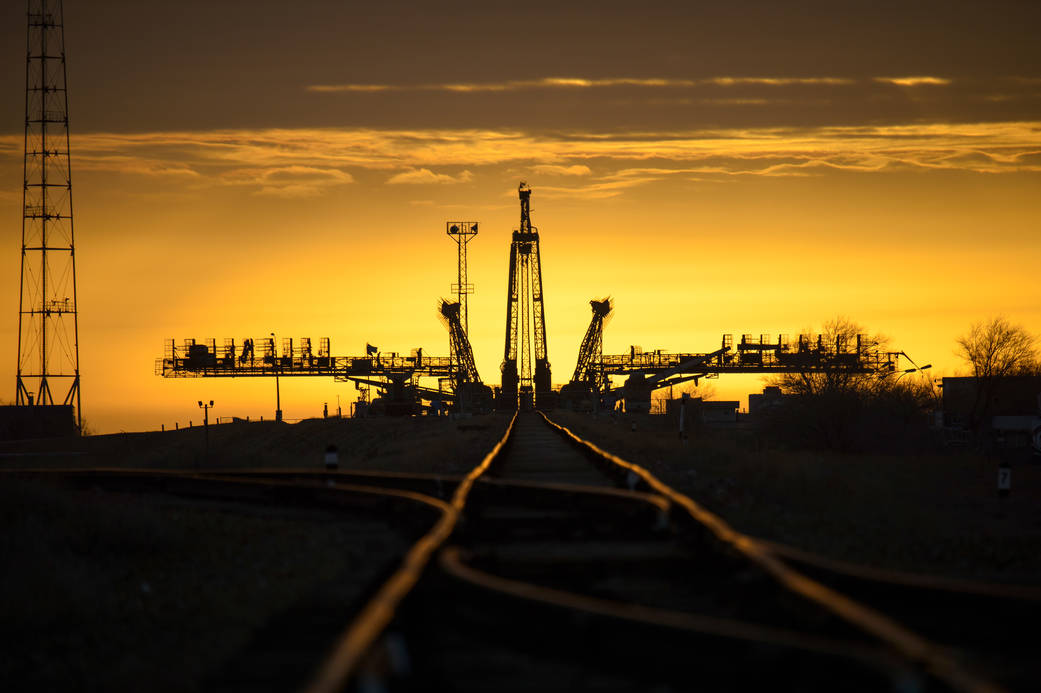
48,330
462,232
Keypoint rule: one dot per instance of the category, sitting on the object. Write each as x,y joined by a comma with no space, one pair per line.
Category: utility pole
48,329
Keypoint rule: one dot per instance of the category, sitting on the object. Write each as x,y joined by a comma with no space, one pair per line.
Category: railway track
559,580
554,565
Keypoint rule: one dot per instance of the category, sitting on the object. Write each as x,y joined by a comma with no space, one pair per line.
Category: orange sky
764,194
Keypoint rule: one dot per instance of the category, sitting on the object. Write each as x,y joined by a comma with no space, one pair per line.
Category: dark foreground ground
115,592
100,588
936,513
105,591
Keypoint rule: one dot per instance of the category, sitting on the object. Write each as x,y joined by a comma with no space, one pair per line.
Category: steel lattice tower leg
48,329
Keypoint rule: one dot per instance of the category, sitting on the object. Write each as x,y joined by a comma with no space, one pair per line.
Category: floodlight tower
525,317
48,326
462,232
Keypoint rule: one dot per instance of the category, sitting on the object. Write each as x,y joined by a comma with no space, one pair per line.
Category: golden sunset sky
242,168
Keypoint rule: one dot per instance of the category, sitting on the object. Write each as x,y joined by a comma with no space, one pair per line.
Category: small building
719,411
704,411
759,404
18,422
1017,432
964,401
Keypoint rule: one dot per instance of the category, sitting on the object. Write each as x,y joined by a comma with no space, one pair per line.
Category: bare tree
996,349
835,332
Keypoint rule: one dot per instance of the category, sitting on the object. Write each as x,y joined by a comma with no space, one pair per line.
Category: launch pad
526,379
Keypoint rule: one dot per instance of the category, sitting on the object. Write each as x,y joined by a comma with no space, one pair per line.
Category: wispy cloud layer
310,161
582,83
286,181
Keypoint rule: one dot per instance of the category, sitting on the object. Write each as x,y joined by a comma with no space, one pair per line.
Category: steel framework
525,317
395,375
48,327
260,358
649,371
589,367
465,367
462,232
470,393
809,354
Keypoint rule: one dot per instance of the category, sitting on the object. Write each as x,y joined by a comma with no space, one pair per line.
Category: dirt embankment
934,513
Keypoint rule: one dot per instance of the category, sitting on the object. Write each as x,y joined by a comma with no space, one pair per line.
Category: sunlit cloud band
914,81
300,162
581,83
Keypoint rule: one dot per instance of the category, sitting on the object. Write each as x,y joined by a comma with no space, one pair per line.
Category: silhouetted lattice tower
525,318
48,330
462,232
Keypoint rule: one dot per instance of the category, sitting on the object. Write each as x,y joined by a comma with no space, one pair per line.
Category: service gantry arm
465,367
258,358
588,368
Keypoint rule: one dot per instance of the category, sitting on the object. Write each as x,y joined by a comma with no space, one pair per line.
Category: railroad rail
553,562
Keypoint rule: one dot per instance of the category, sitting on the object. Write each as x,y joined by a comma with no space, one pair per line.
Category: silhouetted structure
589,380
462,232
48,332
22,423
395,376
525,367
649,371
965,401
470,392
525,319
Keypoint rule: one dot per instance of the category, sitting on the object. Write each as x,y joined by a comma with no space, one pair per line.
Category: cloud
422,176
914,81
779,81
738,102
135,166
1028,158
580,83
305,161
597,190
558,170
287,181
508,85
